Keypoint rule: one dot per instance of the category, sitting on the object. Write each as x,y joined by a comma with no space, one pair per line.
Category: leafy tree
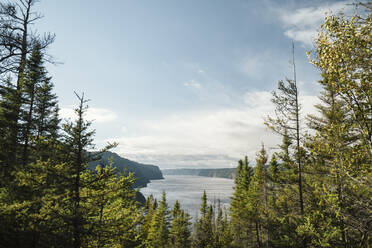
341,148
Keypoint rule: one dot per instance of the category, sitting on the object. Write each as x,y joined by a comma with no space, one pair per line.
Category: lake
188,191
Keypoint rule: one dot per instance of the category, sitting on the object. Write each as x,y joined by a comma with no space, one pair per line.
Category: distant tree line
314,192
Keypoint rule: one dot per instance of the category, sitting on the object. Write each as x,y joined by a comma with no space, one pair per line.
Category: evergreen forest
314,191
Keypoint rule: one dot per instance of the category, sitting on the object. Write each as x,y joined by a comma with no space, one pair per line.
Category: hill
220,172
142,172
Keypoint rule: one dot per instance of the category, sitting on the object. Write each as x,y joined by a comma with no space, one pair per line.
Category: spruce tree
257,198
34,76
8,126
159,230
16,43
287,123
203,232
240,224
222,234
180,233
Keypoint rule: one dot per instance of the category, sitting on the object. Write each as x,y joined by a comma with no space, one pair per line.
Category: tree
159,230
257,197
35,77
7,124
287,122
16,42
203,232
179,233
77,140
223,234
17,38
341,148
239,220
150,208
112,214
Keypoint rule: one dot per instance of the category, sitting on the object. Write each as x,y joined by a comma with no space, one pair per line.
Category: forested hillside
142,173
220,172
314,191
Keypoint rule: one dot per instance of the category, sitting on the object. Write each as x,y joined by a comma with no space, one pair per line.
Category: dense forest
314,192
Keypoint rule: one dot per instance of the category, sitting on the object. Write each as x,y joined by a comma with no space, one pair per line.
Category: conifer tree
203,232
287,123
180,234
257,198
222,234
34,76
76,141
241,228
16,42
159,230
7,124
150,208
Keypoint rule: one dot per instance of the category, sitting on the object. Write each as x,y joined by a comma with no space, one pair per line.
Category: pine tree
222,235
150,208
180,234
203,232
7,124
287,123
159,230
34,76
240,225
16,43
257,198
77,140
112,214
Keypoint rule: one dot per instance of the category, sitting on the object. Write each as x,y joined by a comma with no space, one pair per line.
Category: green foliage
341,148
239,217
158,233
55,193
203,230
180,233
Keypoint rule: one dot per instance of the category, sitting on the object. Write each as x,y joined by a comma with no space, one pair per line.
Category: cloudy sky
182,83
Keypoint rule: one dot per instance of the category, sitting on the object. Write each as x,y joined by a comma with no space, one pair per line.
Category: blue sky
181,83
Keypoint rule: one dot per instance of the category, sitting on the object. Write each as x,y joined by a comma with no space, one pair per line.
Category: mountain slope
142,172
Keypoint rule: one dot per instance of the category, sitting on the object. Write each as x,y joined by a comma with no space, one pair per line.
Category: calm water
189,189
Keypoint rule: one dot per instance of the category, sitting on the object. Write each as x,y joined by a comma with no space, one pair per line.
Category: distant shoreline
229,173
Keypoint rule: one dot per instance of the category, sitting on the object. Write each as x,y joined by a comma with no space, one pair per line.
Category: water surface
189,189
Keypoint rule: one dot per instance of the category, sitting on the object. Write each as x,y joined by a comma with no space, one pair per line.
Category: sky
186,83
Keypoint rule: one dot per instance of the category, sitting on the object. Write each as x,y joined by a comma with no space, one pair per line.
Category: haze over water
188,191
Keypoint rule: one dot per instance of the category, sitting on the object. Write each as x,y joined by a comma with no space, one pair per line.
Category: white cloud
193,84
302,24
97,115
215,138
